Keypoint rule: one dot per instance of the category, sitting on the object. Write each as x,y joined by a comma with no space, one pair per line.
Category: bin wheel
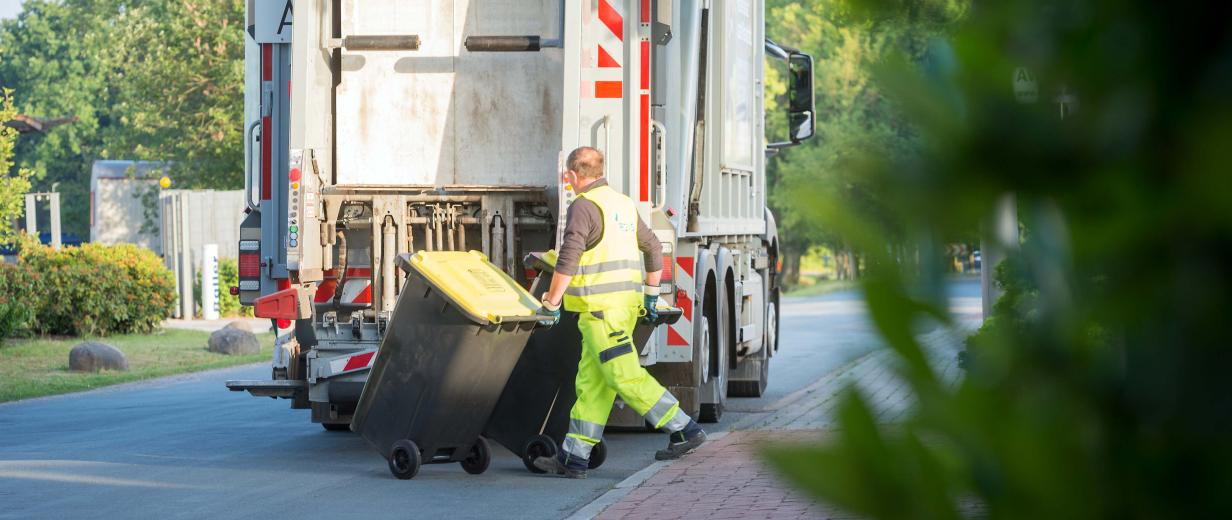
479,458
404,459
598,454
537,446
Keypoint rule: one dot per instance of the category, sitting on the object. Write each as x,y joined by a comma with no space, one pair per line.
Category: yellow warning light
165,182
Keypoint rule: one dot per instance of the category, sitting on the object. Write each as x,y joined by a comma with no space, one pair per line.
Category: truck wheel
336,427
404,459
480,457
598,454
715,364
772,324
537,446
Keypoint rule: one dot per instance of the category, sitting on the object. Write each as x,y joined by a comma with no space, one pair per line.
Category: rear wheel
537,446
713,359
404,459
479,458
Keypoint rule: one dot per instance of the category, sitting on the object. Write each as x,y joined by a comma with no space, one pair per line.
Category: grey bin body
540,392
437,376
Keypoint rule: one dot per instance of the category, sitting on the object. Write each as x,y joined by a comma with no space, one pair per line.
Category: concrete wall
192,219
212,217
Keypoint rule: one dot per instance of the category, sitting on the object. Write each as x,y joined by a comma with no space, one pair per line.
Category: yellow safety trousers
609,367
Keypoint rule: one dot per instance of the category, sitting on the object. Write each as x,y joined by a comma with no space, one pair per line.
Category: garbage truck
383,127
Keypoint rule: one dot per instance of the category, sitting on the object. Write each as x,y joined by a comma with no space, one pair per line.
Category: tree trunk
791,269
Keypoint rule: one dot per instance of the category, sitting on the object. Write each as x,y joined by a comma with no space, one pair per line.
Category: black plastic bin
456,333
532,416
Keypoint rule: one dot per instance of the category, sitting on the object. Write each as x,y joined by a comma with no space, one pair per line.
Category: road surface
185,447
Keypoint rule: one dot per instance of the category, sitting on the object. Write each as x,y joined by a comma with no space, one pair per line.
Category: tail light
250,259
250,265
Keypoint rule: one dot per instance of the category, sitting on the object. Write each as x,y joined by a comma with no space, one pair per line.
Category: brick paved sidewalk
726,477
723,479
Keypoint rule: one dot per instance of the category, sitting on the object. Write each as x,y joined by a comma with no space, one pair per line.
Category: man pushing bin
598,274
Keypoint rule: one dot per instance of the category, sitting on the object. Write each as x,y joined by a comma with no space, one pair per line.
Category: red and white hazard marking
680,334
350,363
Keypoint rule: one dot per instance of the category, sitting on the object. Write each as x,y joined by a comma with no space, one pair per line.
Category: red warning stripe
606,60
612,19
645,11
685,304
644,138
267,74
674,339
686,264
609,89
357,362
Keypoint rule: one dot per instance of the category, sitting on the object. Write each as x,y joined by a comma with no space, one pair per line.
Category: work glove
651,301
548,314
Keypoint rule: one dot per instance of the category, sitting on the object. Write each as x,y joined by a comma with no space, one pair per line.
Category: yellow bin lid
475,285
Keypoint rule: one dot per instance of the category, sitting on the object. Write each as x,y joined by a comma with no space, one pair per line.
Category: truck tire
714,367
757,388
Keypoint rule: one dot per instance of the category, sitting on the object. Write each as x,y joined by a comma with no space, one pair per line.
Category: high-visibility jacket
609,275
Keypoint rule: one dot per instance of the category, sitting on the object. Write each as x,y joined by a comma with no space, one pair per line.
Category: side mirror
800,104
801,110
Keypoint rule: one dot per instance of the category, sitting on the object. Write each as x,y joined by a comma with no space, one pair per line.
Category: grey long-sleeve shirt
584,229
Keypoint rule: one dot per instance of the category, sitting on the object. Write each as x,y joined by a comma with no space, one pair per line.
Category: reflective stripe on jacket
610,273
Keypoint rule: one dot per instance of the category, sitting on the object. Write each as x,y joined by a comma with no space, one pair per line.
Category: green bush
18,284
228,277
98,289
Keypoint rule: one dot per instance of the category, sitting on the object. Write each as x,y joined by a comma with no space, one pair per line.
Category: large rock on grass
234,340
92,356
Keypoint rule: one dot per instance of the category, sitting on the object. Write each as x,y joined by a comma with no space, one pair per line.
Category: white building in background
117,212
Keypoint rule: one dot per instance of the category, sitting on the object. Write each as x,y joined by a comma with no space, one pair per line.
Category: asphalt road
185,447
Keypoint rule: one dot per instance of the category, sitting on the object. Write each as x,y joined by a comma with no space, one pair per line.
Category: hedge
92,290
17,315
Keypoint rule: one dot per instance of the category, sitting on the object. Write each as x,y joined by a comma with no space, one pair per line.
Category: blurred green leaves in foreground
1099,390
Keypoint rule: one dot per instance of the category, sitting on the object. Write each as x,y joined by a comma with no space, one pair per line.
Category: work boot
572,468
682,442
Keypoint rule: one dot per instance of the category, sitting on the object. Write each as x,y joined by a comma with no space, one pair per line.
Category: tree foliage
854,117
150,80
1101,394
14,182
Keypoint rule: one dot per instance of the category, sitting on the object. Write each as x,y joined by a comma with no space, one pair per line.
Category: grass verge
822,287
39,367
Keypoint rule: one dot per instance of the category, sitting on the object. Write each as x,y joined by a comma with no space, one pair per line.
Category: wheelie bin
457,330
532,416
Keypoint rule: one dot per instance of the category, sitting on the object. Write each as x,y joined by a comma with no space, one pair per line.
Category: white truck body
442,124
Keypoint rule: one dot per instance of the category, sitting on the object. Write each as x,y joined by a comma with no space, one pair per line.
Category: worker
599,275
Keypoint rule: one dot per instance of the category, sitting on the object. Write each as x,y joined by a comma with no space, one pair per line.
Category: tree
183,93
853,115
13,185
151,80
58,58
1107,396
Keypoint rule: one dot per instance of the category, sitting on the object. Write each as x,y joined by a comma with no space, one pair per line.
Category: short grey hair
586,161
